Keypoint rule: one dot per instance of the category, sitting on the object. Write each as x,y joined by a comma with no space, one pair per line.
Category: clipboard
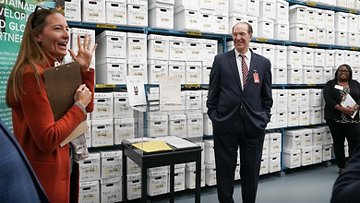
61,83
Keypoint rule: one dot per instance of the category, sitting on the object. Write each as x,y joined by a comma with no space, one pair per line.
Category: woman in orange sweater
44,43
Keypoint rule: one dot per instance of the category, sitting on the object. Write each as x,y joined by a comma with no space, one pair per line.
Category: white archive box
207,4
319,57
329,58
209,49
190,174
280,55
349,58
315,97
293,99
207,17
136,46
157,124
221,22
321,36
281,31
255,47
124,128
80,32
161,15
208,129
328,74
330,37
204,96
187,4
293,117
193,49
356,73
187,19
281,118
116,12
352,22
137,12
317,154
253,8
282,99
205,75
294,56
315,115
318,75
158,47
321,19
341,3
209,151
267,9
238,6
306,156
308,77
121,105
111,71
193,72
293,139
266,144
353,39
298,32
282,11
157,182
326,152
177,125
341,21
304,100
90,168
93,11
253,21
318,134
307,56
304,116
138,67
235,18
312,16
133,186
222,5
72,10
330,19
268,51
193,100
298,14
194,120
272,123
307,137
177,48
264,164
103,106
356,59
339,58
274,162
210,174
111,44
341,38
111,189
280,75
275,143
294,75
170,2
311,35
177,68
157,69
102,133
89,191
111,163
179,179
292,158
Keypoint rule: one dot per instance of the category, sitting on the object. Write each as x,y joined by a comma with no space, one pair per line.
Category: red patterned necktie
245,70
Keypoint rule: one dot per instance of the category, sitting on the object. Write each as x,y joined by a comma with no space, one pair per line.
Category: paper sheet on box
177,142
152,146
170,90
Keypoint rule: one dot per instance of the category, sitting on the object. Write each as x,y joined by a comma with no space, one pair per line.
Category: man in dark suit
239,103
18,182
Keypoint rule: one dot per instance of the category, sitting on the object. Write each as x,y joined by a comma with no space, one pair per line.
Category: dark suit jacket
18,182
347,186
332,97
227,101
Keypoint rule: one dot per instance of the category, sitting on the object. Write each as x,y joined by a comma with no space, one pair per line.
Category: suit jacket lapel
233,66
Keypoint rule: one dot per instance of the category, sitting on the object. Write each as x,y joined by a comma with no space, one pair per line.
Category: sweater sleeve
47,133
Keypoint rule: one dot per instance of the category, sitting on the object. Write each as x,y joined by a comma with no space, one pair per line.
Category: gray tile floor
311,184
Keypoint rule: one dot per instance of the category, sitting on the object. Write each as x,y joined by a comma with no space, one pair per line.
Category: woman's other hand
83,95
85,53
